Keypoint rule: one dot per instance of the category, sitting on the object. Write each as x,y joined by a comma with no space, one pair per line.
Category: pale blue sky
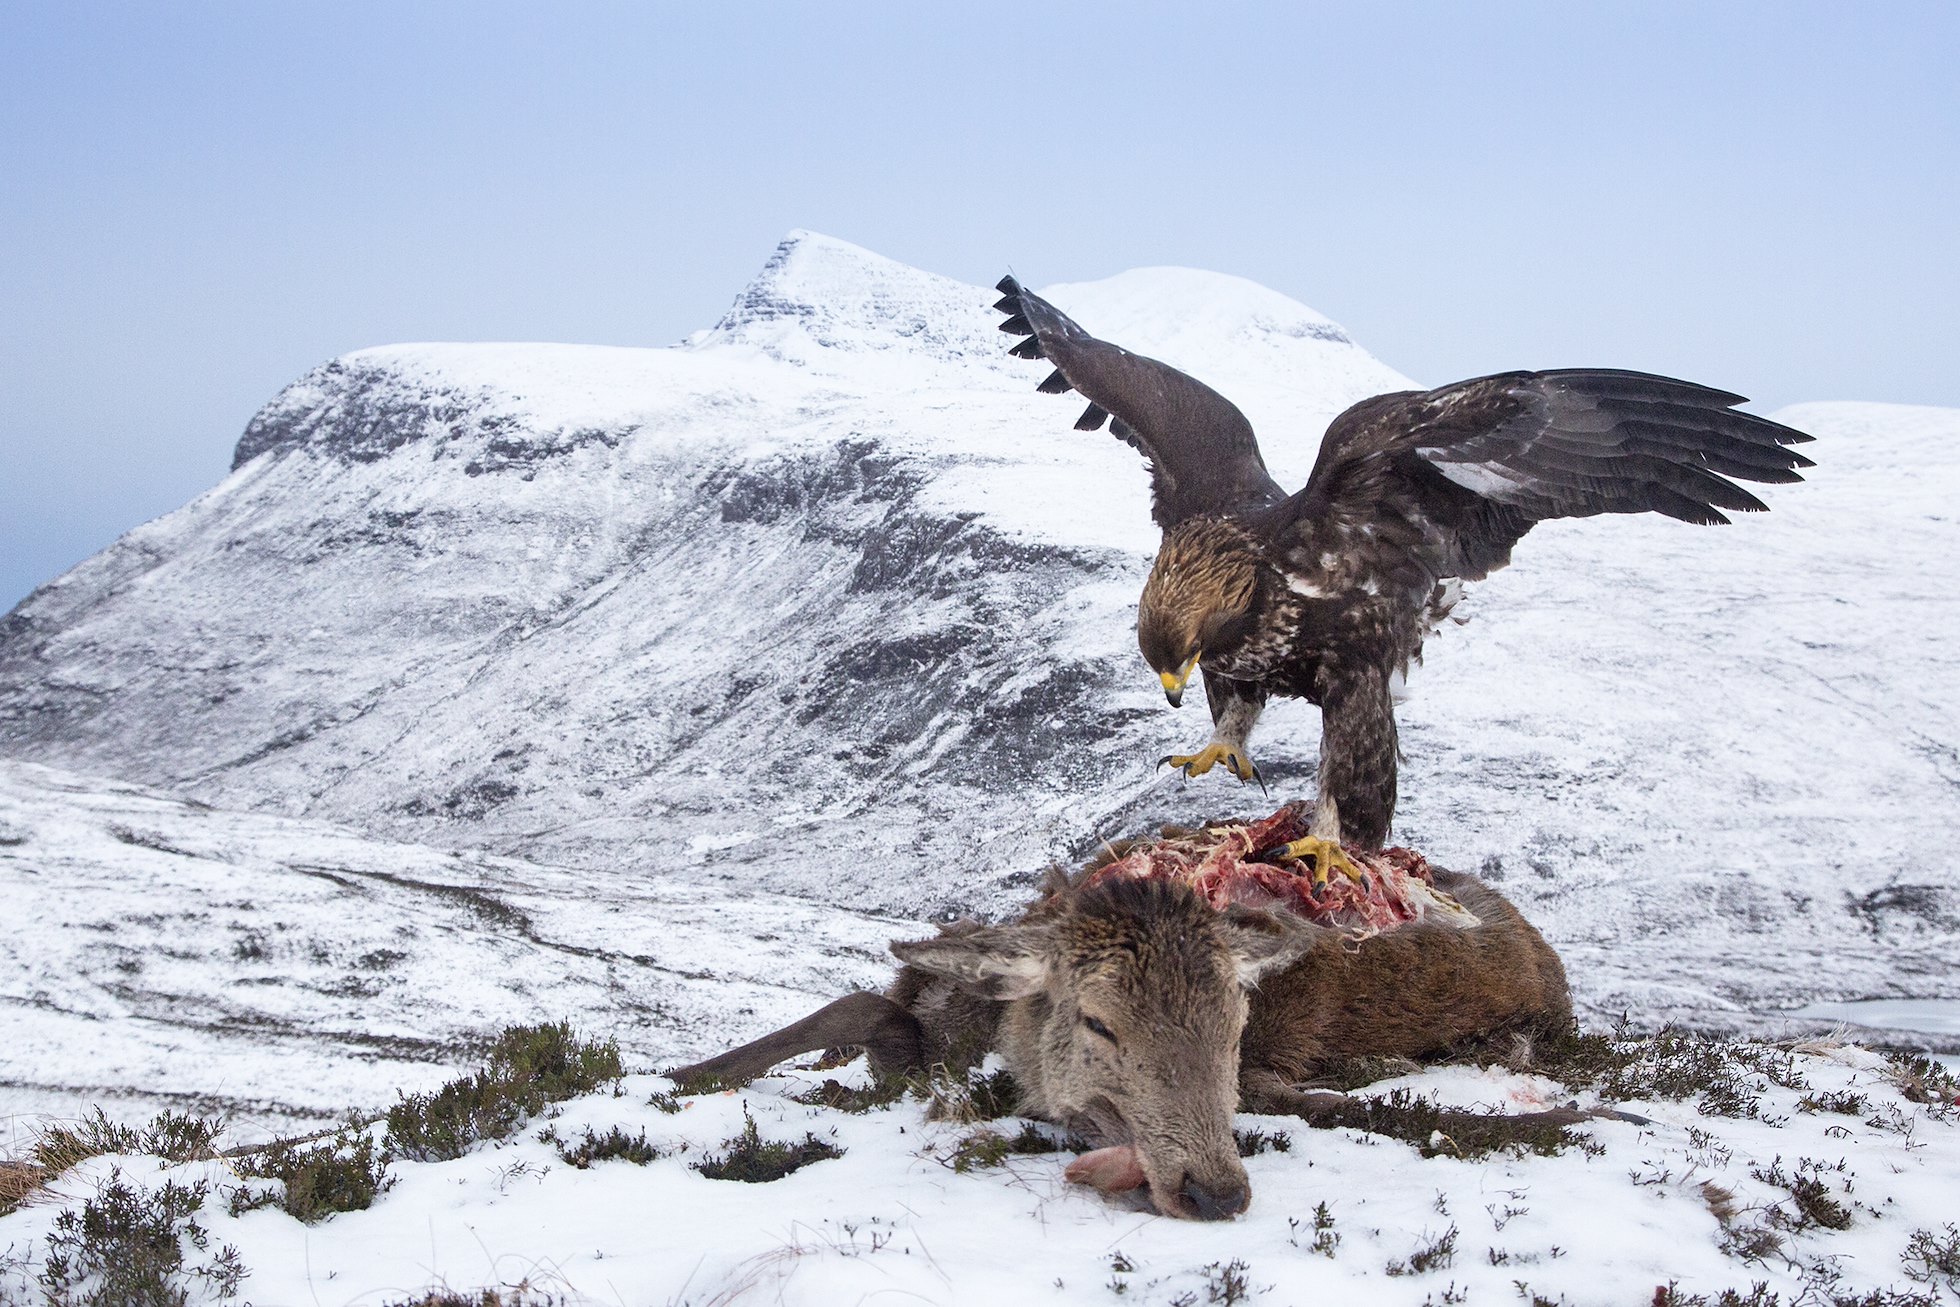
202,200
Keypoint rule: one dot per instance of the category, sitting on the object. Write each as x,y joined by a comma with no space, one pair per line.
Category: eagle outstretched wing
1479,462
1203,455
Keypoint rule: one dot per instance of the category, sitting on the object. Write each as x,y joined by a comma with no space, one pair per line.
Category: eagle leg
1235,758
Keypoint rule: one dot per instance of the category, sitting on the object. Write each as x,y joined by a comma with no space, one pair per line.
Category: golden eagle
1327,593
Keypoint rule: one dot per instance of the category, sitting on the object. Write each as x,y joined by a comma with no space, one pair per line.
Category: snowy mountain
816,585
827,602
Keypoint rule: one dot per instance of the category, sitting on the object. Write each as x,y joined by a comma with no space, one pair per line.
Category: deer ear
1265,942
1002,962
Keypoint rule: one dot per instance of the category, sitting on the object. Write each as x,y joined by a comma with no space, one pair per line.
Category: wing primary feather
1683,508
1747,459
1619,383
1200,449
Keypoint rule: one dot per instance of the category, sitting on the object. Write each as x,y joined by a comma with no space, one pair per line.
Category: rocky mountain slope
816,585
826,601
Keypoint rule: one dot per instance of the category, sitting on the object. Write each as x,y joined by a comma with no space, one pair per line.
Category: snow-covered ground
161,954
892,1221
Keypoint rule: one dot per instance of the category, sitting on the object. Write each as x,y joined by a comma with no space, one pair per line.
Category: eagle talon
1197,764
1327,855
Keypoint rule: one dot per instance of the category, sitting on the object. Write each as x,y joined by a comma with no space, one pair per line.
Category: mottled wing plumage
1474,465
1203,455
1412,492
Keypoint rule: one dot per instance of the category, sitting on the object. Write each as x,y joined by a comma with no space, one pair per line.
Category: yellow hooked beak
1174,682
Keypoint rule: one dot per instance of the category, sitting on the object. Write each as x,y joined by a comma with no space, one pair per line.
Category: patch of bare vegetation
960,1096
1435,1130
1251,1143
344,1173
125,1247
1934,1259
514,1295
983,1148
1725,1077
173,1136
1322,1238
1433,1254
528,1069
592,1147
749,1158
1919,1079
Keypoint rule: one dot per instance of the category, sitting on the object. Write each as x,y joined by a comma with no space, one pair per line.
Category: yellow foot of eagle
1327,857
1197,764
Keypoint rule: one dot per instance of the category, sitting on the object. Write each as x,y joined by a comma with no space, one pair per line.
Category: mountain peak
1172,303
817,289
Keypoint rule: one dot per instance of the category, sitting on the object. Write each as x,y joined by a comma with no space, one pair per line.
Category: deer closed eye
1098,1028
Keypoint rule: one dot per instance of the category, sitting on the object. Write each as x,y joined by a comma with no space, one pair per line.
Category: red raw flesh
1111,1170
1216,862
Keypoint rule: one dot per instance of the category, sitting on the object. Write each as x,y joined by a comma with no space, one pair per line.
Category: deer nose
1215,1204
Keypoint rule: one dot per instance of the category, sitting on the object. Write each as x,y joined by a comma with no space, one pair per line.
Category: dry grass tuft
18,1180
174,1136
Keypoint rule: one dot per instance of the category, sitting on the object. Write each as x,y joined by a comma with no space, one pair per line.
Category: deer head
1125,1004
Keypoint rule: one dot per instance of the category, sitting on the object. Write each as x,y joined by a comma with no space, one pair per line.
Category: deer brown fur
1140,1017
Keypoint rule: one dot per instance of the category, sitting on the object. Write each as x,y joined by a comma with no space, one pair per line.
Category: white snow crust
162,954
892,1221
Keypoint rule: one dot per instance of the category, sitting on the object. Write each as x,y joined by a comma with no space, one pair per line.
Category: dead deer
1141,1018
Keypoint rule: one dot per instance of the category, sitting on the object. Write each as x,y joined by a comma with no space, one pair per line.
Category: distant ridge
819,290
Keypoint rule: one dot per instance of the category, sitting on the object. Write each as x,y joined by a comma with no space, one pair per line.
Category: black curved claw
1267,855
1258,776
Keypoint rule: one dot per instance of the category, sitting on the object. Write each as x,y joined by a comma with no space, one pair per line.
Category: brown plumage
1327,594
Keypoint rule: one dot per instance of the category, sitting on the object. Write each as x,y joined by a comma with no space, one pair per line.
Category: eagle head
1198,599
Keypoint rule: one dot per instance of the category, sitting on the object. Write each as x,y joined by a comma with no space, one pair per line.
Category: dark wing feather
1481,461
1203,455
